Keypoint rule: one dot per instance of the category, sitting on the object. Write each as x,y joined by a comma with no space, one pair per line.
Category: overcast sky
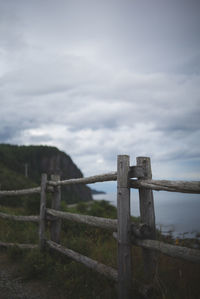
102,78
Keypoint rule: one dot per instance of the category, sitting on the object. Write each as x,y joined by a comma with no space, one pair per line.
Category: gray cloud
99,78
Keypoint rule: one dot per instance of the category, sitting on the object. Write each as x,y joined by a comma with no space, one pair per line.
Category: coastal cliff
22,166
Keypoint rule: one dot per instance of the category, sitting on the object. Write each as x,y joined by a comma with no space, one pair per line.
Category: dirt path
12,286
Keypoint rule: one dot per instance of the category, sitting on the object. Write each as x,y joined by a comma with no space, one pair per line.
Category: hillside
22,166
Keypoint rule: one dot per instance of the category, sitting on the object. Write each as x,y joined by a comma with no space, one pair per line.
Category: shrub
36,264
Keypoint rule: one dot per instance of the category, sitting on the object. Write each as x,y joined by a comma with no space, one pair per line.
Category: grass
174,278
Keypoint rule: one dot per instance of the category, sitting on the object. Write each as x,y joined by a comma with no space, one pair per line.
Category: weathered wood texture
147,212
92,264
188,254
185,253
55,227
106,223
21,246
89,180
35,190
42,212
90,220
165,185
124,228
20,192
140,230
134,172
20,218
147,215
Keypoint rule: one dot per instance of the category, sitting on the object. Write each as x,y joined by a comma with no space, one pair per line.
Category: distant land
94,192
21,167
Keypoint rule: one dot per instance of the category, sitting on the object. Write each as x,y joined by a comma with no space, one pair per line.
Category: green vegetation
13,158
174,279
38,159
68,276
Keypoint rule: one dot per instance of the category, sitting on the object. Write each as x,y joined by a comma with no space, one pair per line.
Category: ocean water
175,213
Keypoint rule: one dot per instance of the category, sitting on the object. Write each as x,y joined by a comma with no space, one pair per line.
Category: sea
177,214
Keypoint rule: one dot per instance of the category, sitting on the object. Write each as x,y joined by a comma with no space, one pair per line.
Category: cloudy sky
102,78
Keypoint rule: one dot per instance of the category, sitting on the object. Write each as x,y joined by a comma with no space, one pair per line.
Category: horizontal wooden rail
165,185
19,218
89,180
188,254
20,192
35,190
181,252
140,230
134,171
90,220
90,263
158,185
21,246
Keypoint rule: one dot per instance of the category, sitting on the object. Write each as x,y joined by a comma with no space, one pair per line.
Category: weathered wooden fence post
56,200
124,227
147,215
42,211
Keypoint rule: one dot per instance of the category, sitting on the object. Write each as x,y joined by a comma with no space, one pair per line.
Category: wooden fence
125,232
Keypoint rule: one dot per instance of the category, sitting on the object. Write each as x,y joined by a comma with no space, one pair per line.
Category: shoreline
176,214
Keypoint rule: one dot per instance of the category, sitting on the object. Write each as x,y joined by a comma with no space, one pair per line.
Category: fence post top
145,162
143,158
121,156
